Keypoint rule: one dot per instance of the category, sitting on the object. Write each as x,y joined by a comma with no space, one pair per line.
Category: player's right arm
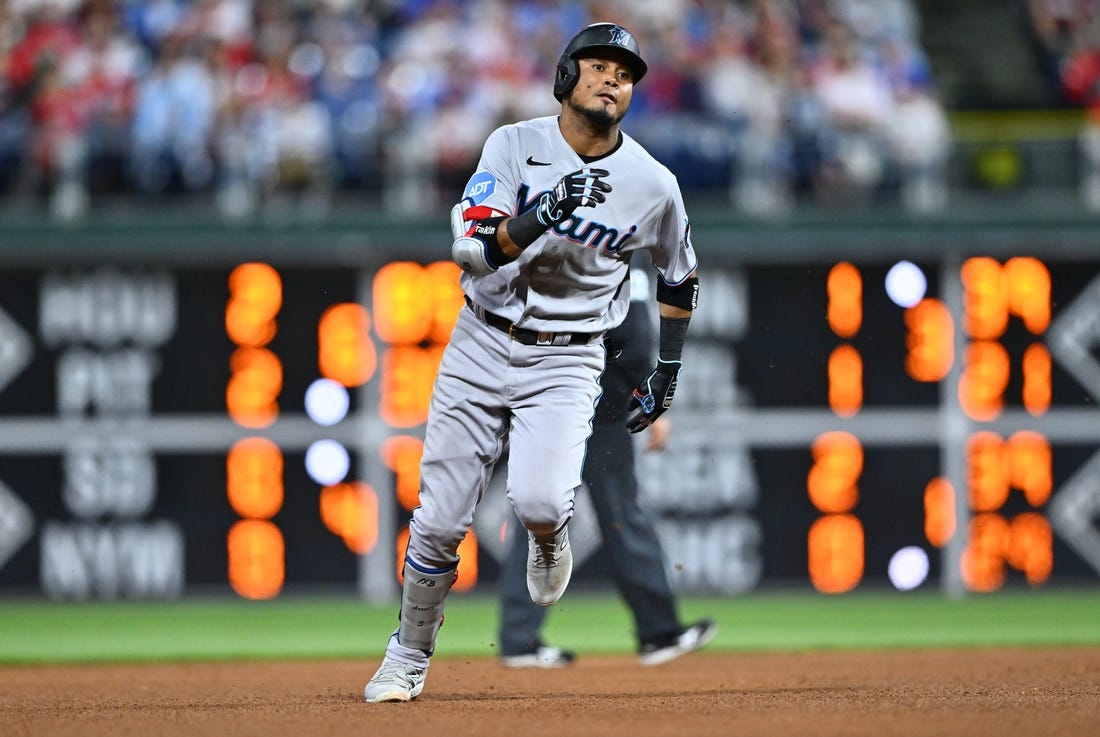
478,247
484,241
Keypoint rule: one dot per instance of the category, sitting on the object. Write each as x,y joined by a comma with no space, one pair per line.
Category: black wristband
525,229
684,295
673,334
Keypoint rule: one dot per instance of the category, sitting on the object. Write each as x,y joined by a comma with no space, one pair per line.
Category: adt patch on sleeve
481,185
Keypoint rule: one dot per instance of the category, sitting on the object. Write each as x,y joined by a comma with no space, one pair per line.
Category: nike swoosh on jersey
531,162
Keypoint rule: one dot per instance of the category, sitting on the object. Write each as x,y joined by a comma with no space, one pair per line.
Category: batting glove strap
653,396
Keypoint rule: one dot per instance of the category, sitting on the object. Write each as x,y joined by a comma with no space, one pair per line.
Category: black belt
525,335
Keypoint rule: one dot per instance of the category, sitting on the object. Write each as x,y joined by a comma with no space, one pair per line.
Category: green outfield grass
225,628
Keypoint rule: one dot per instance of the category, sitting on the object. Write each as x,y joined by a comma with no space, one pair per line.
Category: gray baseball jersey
572,278
540,398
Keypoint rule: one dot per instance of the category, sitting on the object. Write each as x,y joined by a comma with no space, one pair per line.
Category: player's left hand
653,396
581,188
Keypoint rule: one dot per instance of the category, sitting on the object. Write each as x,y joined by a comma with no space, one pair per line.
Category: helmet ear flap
566,76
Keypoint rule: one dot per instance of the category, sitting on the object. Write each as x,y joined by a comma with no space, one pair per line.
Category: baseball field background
587,621
1010,663
150,587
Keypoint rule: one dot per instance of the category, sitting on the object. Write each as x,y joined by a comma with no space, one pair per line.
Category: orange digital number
403,303
984,380
254,485
255,381
835,547
256,559
345,352
930,340
845,380
939,511
254,466
844,287
838,463
988,472
1028,287
1037,387
255,373
254,478
992,293
1031,463
835,540
983,560
350,510
985,299
997,466
255,298
1026,544
845,312
1031,547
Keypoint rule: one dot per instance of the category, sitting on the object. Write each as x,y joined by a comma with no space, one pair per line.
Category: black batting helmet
596,37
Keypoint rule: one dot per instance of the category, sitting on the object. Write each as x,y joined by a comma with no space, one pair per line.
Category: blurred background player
631,549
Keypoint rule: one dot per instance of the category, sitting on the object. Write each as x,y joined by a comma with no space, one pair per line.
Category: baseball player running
544,234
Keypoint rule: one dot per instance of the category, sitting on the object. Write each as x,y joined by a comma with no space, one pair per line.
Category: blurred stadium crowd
1067,34
257,104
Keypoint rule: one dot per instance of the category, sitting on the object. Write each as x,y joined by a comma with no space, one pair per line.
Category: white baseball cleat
542,656
549,566
395,681
690,640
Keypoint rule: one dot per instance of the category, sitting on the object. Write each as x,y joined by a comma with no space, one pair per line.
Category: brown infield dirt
972,692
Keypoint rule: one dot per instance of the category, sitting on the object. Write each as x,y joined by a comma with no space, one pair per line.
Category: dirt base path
999,693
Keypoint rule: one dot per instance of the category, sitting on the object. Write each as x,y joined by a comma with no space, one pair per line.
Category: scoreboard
172,429
255,427
913,423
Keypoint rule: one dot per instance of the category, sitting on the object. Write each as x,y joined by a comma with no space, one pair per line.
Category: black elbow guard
684,295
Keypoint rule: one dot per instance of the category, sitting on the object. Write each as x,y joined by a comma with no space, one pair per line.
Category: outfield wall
155,428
